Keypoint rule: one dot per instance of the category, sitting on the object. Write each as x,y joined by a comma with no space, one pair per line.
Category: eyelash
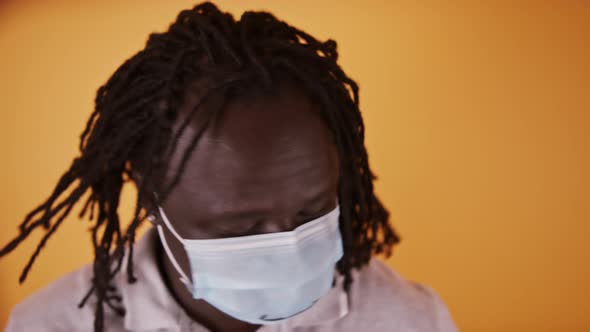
318,212
302,218
255,226
309,216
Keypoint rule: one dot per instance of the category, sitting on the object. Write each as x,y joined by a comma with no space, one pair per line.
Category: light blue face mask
264,278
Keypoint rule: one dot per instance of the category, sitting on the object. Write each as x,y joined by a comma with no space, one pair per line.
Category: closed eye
252,229
311,214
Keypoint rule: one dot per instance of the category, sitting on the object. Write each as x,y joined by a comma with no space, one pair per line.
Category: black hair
131,132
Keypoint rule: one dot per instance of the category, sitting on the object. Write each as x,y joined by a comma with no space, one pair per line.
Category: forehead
262,153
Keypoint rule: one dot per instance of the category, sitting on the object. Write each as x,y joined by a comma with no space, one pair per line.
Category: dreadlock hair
131,131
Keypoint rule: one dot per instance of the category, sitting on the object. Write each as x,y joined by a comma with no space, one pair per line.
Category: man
246,144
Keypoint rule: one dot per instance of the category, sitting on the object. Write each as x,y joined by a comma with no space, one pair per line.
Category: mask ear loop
183,277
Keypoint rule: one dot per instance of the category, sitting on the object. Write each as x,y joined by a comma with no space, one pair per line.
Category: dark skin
267,165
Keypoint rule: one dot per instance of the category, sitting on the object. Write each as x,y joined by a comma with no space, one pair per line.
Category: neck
199,310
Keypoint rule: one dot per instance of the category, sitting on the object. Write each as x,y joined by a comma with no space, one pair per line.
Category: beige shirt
380,300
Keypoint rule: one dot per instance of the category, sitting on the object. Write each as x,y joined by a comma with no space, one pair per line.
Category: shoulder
382,297
55,307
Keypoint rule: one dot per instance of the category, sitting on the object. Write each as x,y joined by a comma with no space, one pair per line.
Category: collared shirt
379,300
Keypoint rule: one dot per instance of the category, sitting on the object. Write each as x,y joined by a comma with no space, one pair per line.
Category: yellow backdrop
477,125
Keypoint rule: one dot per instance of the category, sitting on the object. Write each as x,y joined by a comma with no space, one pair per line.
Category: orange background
477,126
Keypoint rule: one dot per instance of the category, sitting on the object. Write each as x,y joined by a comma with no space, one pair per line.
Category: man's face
267,165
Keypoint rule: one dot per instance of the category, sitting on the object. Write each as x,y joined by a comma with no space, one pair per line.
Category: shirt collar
150,306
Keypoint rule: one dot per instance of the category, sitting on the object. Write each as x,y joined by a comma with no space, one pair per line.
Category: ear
152,214
152,219
151,207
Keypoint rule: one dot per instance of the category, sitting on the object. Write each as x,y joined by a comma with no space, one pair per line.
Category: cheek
335,163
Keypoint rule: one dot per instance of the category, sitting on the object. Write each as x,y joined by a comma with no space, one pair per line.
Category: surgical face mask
264,278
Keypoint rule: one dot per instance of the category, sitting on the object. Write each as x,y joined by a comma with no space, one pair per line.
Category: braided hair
131,131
